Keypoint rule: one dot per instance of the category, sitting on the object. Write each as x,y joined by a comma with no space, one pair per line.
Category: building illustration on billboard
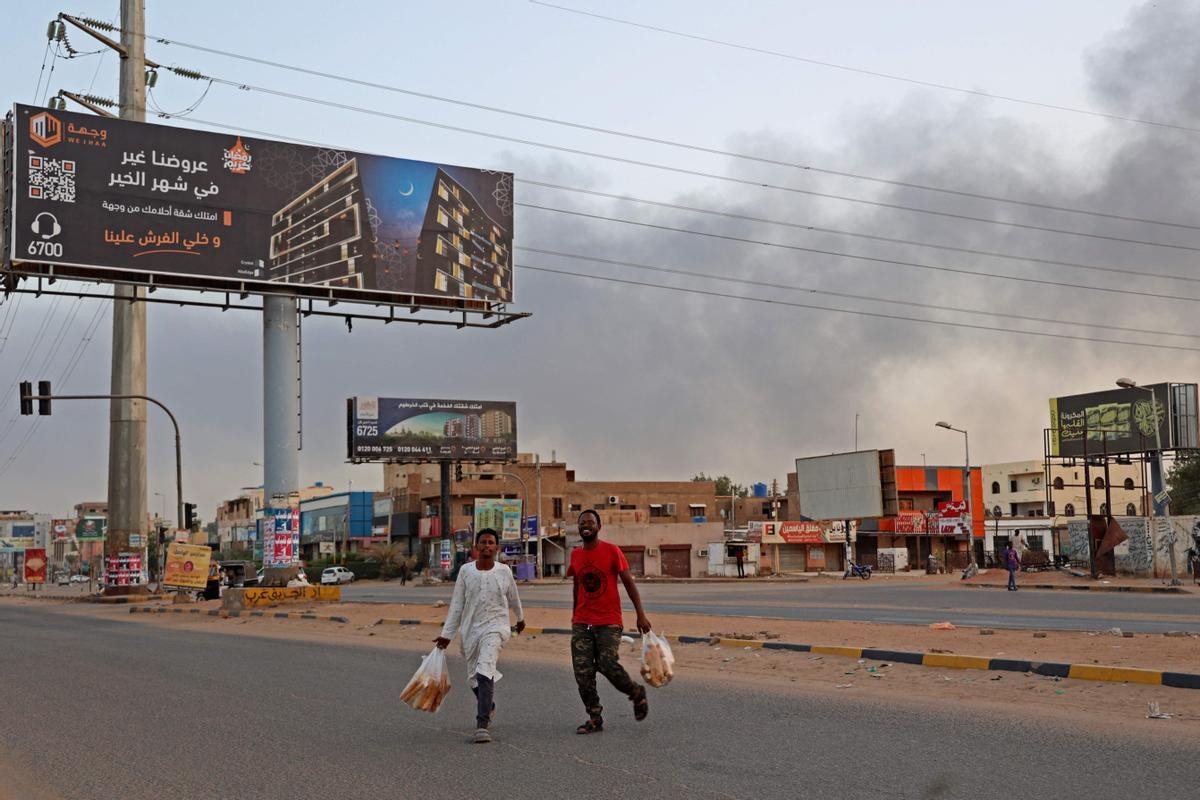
398,429
101,198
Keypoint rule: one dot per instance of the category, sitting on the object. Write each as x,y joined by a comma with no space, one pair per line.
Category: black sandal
641,706
593,725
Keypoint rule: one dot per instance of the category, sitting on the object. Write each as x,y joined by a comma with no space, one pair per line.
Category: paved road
113,709
892,602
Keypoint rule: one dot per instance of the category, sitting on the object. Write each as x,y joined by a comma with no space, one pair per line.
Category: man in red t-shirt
596,623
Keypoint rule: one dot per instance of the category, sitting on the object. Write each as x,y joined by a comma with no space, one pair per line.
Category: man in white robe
484,594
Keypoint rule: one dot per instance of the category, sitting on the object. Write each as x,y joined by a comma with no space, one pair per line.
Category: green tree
1183,482
725,485
389,556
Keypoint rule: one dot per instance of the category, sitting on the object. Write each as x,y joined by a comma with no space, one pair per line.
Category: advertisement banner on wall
187,566
35,565
407,429
98,197
499,515
952,518
281,537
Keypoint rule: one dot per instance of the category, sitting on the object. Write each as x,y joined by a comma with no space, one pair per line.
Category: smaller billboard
842,486
35,565
952,518
187,566
499,515
90,528
407,429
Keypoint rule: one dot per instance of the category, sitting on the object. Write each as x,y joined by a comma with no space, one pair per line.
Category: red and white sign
35,565
952,517
910,522
800,532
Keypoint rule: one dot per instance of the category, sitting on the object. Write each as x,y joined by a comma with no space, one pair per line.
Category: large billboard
1124,420
842,486
405,429
103,198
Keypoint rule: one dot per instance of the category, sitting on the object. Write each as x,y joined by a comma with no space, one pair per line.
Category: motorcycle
858,570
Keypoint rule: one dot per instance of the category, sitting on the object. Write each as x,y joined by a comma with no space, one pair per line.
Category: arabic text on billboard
187,566
403,429
98,195
499,515
1123,420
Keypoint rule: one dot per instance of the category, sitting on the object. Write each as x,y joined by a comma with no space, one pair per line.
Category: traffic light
26,392
44,399
458,472
189,515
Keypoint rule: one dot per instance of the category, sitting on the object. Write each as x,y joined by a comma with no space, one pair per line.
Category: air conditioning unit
670,509
702,553
652,552
1037,481
613,500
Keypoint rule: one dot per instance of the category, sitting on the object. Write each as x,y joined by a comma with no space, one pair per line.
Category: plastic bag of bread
658,662
430,685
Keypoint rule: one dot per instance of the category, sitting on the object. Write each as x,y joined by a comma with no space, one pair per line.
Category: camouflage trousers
595,648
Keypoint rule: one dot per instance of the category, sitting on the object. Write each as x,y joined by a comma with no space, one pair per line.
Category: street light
966,490
1130,383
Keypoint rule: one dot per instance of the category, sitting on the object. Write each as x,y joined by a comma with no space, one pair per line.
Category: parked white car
336,575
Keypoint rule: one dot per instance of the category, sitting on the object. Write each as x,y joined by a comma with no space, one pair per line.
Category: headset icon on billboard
46,225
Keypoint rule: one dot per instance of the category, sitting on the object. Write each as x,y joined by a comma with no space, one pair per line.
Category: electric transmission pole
127,418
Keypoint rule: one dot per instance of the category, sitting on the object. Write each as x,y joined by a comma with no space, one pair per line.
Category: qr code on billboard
51,179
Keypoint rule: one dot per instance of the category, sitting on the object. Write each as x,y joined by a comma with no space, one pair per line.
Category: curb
1075,587
216,612
1083,672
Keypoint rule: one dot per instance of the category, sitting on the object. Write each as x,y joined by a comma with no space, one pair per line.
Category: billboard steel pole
281,404
127,417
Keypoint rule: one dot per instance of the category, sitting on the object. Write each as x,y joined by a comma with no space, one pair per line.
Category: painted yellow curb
1096,672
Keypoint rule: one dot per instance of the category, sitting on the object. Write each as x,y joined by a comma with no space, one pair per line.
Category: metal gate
637,560
677,561
792,558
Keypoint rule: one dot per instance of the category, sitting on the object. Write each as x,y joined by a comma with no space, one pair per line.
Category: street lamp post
1129,383
966,492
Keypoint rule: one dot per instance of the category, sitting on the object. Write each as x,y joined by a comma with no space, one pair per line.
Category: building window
1012,510
558,508
1069,510
1012,486
906,504
1130,510
656,510
995,487
468,509
1129,483
576,508
1034,542
1058,483
1098,483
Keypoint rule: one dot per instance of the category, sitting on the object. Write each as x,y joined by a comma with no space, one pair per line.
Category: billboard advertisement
35,565
1124,420
845,486
406,429
187,566
101,197
90,528
499,515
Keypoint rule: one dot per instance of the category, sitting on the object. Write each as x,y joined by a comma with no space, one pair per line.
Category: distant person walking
1012,562
596,622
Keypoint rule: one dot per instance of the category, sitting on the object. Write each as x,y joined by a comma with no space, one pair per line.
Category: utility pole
127,417
537,462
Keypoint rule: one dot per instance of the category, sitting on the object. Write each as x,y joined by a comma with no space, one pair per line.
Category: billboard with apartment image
415,430
104,199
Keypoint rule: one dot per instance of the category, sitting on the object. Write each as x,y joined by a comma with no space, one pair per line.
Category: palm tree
389,555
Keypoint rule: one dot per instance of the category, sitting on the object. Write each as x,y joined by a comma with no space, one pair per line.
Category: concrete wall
1146,553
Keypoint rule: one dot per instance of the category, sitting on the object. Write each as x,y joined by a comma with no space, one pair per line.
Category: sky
629,382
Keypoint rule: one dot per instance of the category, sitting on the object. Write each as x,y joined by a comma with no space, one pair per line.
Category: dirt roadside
1063,702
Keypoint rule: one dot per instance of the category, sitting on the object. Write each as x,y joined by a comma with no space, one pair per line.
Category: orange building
911,536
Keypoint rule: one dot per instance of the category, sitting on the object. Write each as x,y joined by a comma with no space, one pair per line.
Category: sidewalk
1060,579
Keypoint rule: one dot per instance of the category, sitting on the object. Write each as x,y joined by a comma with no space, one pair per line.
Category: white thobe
479,611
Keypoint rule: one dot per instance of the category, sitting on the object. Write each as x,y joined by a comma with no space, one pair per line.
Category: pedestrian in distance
741,561
404,572
1012,562
596,623
484,595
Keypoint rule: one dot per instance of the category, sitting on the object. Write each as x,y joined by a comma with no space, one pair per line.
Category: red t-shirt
596,577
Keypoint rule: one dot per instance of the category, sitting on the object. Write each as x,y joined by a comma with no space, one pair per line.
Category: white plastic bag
430,685
658,662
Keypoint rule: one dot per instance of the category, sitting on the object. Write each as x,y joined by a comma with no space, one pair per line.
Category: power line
872,73
858,235
684,171
873,259
651,139
874,314
849,296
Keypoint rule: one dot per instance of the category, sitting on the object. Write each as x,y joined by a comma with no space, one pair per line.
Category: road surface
110,708
917,603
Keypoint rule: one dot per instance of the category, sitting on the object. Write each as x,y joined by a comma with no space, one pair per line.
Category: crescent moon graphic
411,189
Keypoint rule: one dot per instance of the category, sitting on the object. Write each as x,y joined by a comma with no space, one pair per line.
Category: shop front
806,546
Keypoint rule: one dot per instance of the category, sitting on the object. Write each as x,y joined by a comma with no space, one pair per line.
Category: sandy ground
1065,701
